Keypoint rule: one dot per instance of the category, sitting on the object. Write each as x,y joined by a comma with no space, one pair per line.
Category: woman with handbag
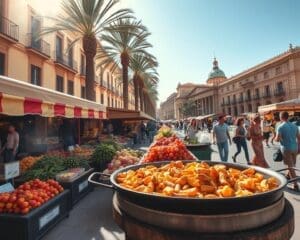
240,140
255,134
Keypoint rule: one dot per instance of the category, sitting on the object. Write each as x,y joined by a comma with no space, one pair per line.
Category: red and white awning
18,98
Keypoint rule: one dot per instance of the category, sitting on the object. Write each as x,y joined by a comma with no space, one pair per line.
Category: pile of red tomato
167,148
28,196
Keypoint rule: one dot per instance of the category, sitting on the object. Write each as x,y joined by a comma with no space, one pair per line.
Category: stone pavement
92,219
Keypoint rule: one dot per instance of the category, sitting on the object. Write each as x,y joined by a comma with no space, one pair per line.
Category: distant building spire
215,63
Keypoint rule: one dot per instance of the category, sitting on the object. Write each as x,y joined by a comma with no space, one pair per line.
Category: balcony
65,61
227,103
240,100
234,101
38,45
247,98
9,29
82,70
256,97
267,94
103,84
279,92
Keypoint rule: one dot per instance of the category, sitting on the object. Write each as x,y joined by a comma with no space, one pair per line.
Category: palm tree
143,67
123,39
87,19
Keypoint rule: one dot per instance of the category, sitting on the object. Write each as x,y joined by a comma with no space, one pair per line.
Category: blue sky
186,34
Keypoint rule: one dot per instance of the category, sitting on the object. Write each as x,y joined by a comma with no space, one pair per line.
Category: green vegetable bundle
102,155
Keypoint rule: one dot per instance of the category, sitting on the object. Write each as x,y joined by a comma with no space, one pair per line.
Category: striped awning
18,98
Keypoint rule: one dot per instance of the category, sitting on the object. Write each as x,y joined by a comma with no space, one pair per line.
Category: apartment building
45,61
167,108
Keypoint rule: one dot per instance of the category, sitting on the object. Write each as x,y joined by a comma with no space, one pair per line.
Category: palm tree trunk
125,64
90,48
136,92
141,96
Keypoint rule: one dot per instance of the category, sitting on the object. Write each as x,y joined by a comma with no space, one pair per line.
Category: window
242,109
35,75
107,77
257,92
234,98
108,101
223,100
249,107
2,63
70,87
266,75
70,54
255,78
232,86
82,66
83,92
279,86
112,102
229,110
278,70
102,98
228,99
227,88
248,94
235,110
59,48
116,103
35,29
241,96
59,83
267,90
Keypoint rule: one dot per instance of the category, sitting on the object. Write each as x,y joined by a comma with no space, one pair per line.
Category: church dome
216,71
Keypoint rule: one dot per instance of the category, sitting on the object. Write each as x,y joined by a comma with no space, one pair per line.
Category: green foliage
188,109
113,143
102,155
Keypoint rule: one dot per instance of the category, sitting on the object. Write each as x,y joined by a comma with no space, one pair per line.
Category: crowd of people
257,130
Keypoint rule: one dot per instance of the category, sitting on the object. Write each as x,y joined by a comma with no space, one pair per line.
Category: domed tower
216,76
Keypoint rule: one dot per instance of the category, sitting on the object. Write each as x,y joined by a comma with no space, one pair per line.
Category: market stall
289,106
39,114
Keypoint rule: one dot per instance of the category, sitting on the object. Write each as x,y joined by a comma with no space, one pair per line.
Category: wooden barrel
202,223
280,229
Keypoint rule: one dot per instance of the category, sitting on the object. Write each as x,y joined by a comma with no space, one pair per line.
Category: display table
282,228
201,150
79,187
36,223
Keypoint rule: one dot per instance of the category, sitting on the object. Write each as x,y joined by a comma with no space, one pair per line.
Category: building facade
167,108
45,61
274,80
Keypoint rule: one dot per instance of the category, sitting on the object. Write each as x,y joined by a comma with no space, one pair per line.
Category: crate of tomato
32,209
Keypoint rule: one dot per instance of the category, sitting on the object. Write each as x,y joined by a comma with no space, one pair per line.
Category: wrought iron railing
38,44
65,60
279,92
9,28
267,94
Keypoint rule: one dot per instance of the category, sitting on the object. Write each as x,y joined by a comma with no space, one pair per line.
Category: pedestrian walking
255,134
276,122
221,137
151,128
288,135
192,130
240,140
266,127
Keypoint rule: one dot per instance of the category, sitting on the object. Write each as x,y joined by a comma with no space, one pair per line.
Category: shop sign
6,188
83,185
49,216
9,170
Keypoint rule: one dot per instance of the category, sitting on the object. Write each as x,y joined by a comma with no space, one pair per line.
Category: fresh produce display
28,196
164,132
48,166
113,143
122,159
69,174
83,151
196,179
191,141
167,148
102,155
27,163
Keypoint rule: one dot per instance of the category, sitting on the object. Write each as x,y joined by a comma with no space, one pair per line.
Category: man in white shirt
11,146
